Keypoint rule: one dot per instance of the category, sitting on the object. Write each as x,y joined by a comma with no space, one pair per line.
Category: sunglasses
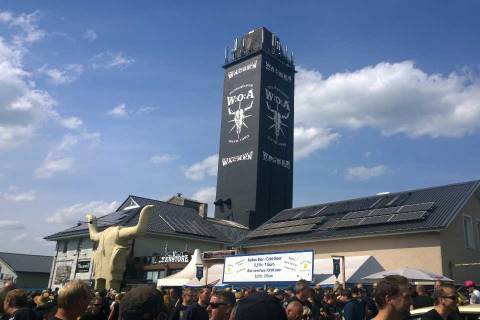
214,305
454,297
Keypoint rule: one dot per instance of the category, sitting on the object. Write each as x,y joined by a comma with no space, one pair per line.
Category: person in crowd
445,297
73,300
115,307
351,308
315,306
46,311
221,305
294,310
16,307
392,297
422,299
258,306
328,311
238,295
302,292
358,294
94,311
178,312
9,285
474,293
142,303
198,310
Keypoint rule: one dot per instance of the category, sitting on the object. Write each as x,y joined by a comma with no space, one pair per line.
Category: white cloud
7,225
71,123
19,237
394,98
206,195
57,76
309,140
362,173
146,110
202,169
53,165
163,158
77,212
23,107
119,111
90,35
15,195
59,160
27,23
109,60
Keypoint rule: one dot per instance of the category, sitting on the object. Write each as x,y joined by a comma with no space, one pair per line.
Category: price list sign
269,267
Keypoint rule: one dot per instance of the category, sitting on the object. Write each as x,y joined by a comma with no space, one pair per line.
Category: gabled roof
167,219
418,210
27,262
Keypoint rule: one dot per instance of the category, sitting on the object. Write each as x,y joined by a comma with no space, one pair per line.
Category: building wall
6,273
65,263
32,280
149,246
454,249
414,250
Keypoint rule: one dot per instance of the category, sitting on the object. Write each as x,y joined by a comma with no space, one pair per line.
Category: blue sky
102,100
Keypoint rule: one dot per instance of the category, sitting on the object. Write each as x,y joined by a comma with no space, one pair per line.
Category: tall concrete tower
255,168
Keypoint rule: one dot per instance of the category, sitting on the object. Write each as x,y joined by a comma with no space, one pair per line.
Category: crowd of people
390,298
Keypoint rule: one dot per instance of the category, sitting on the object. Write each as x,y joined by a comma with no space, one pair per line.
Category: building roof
391,213
27,262
167,219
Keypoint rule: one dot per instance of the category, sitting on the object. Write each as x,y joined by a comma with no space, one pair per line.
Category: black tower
255,168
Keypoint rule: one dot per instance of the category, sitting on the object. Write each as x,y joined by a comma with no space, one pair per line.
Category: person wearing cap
143,303
474,293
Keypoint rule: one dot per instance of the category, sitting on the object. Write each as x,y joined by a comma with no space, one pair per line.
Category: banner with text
270,267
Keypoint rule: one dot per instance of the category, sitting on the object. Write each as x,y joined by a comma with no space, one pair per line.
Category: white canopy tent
212,275
356,268
411,274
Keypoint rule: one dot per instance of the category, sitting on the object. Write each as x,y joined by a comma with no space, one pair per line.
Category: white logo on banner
277,72
279,162
240,157
249,66
243,102
279,106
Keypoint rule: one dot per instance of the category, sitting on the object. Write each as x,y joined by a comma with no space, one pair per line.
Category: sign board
219,254
83,266
336,267
174,258
269,267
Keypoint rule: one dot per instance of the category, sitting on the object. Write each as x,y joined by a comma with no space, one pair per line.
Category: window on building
152,276
65,246
468,232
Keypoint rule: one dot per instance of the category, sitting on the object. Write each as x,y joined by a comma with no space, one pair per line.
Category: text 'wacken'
240,157
275,160
248,66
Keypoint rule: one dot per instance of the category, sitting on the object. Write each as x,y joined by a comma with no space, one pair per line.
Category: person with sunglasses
221,305
445,303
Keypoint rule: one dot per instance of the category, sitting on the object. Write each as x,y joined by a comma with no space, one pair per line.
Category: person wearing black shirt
445,303
15,306
422,299
198,310
95,312
302,292
179,311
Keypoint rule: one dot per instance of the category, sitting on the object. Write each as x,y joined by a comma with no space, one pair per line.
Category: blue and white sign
269,267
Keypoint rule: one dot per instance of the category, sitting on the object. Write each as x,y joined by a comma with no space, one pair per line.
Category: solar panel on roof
399,199
291,223
384,211
417,207
347,223
187,226
376,220
409,216
357,214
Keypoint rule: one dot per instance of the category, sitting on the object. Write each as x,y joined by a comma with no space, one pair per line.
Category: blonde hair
73,290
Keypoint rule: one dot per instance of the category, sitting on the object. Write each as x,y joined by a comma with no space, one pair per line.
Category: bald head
294,310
